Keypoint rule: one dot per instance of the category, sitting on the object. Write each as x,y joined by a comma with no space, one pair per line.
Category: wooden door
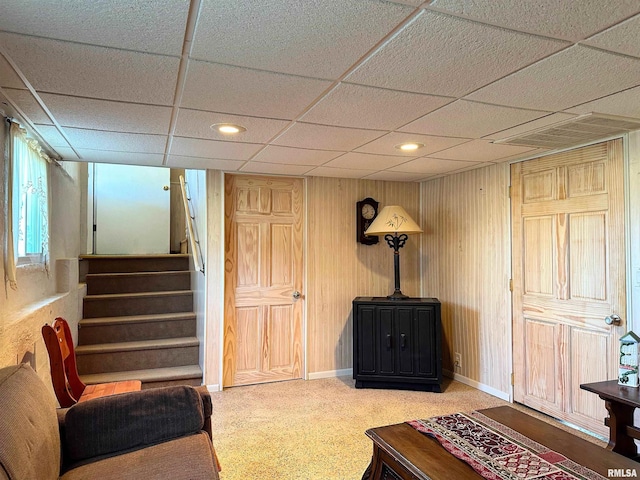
263,268
568,275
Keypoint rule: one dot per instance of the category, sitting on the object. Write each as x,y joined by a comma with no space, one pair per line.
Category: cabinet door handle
403,340
388,340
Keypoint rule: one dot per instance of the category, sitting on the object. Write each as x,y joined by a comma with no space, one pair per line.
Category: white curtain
27,203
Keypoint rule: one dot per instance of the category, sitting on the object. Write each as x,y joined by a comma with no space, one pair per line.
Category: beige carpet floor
301,430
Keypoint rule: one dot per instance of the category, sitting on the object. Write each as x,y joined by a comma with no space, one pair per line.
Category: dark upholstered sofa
162,433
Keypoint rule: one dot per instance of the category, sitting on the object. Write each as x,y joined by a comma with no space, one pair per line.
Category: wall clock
366,211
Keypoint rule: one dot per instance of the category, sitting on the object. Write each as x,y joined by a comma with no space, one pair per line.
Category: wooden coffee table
400,452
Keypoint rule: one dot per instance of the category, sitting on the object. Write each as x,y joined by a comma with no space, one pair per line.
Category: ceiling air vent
575,131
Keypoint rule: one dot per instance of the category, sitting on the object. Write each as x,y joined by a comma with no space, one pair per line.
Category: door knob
296,295
165,188
613,319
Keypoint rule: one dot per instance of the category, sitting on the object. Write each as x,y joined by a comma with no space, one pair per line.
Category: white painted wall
633,209
41,296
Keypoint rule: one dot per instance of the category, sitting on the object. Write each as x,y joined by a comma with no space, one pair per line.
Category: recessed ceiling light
409,146
228,128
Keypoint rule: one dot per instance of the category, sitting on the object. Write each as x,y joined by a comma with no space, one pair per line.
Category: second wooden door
263,340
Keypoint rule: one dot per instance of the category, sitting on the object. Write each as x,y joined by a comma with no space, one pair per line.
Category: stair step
121,304
136,327
133,263
136,282
151,377
138,355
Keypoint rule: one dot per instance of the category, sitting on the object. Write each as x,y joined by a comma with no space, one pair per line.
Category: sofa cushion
131,420
185,458
29,438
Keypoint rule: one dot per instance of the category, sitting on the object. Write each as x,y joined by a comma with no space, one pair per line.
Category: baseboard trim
477,385
214,388
346,372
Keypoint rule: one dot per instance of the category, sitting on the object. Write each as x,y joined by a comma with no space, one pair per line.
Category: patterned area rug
499,452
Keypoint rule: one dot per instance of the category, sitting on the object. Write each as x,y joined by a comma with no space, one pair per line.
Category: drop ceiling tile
622,38
470,119
315,39
626,104
108,115
67,154
182,161
359,106
195,147
529,126
386,145
413,3
339,172
297,156
26,102
564,80
52,136
275,168
430,166
443,55
54,66
8,77
156,26
323,137
124,158
365,161
115,141
197,124
568,20
390,176
480,151
223,88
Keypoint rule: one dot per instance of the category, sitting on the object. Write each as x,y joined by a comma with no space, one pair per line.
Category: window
28,236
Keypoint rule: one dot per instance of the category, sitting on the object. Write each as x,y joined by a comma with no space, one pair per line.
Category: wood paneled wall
339,268
466,264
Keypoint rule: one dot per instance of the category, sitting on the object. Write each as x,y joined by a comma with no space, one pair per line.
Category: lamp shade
393,219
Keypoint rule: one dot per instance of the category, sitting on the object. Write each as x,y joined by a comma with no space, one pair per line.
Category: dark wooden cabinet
397,343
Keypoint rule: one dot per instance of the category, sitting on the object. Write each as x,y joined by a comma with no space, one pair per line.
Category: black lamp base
398,295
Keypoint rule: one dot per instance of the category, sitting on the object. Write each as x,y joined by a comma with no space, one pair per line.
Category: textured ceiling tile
626,104
108,115
623,38
480,151
241,91
181,161
315,39
432,166
391,176
443,55
195,147
52,136
339,172
125,158
471,119
275,168
386,145
322,137
67,153
358,106
293,156
156,26
563,80
116,141
197,124
69,68
8,77
26,102
364,161
571,20
529,126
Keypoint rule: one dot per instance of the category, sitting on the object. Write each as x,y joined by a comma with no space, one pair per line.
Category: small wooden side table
620,401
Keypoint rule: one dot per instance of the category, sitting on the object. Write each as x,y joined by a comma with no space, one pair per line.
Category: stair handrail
192,233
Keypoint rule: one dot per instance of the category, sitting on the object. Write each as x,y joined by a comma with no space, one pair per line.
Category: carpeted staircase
138,321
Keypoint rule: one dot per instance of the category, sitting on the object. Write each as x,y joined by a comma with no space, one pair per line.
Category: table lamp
395,224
